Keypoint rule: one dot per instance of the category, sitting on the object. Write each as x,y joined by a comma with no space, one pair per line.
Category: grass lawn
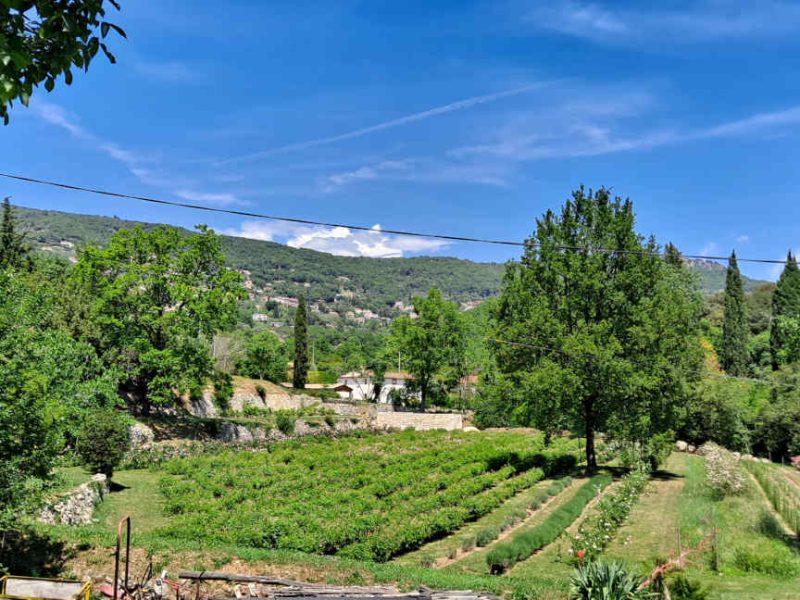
651,530
756,559
475,563
440,549
135,493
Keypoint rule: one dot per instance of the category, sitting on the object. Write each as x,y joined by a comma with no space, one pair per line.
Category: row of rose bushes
524,543
369,497
613,508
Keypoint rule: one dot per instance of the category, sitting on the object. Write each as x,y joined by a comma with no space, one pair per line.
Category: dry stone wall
76,507
419,421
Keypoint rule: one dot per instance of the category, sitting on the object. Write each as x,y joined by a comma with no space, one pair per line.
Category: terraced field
496,511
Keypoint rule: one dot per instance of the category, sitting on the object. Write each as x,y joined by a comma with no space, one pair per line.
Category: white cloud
412,118
743,239
704,21
709,249
341,241
221,199
172,71
138,165
556,134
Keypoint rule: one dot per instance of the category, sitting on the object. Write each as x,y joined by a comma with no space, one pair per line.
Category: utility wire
440,236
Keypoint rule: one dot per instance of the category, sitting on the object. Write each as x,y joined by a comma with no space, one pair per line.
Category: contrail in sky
413,118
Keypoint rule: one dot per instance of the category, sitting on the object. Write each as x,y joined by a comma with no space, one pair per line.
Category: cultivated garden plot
362,497
784,497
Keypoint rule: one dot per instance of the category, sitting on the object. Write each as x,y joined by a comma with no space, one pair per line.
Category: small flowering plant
613,508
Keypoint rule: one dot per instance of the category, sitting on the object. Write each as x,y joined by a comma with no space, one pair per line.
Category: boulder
140,436
232,432
470,428
691,448
681,446
202,406
736,455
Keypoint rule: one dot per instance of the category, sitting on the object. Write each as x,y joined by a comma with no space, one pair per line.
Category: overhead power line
439,236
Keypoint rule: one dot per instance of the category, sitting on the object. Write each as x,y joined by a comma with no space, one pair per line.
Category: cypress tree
785,305
300,375
733,350
673,256
13,251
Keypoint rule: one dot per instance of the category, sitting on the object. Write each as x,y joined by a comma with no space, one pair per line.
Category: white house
394,381
361,384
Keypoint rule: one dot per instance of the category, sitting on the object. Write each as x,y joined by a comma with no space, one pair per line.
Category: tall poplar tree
591,339
300,373
733,349
785,311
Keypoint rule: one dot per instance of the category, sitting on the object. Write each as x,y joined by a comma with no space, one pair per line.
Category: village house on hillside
362,385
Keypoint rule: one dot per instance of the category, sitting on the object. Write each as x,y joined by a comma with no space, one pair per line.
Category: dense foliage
155,299
784,335
43,39
102,440
361,497
431,345
301,358
264,356
595,340
733,346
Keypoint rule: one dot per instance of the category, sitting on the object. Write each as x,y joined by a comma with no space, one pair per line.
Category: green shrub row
361,496
525,543
612,510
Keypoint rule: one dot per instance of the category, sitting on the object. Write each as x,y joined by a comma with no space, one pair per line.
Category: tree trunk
591,457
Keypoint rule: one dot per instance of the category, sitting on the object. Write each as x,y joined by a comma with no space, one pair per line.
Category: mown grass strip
525,543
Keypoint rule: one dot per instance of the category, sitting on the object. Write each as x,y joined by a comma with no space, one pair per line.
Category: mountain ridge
381,286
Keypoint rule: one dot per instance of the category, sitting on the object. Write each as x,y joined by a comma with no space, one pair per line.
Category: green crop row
781,494
525,543
595,533
371,497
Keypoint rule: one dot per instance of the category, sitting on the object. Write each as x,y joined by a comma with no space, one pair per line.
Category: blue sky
461,117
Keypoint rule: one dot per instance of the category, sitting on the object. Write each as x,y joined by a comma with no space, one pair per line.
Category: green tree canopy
784,341
43,39
733,353
264,357
156,299
593,339
14,252
300,370
432,345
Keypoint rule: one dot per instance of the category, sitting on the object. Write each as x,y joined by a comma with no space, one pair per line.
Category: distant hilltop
369,288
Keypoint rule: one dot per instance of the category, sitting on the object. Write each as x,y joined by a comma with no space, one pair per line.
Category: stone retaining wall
77,506
419,421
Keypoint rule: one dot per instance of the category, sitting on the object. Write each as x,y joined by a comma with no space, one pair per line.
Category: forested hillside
368,283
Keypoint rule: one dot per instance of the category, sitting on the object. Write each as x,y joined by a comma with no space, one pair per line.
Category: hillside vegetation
368,283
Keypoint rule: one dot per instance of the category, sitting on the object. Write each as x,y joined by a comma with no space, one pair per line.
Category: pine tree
13,251
300,375
733,349
785,306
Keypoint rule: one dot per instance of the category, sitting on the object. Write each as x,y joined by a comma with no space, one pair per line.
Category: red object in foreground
581,553
106,589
